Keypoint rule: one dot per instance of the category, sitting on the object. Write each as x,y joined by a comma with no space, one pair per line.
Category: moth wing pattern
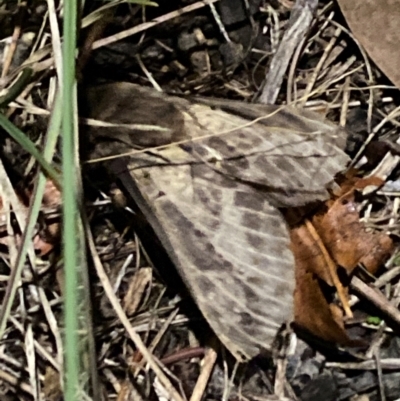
212,197
230,246
290,153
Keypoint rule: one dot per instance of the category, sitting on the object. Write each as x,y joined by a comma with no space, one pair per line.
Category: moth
211,176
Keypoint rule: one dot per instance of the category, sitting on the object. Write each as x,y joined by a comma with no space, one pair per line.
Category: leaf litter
343,239
342,85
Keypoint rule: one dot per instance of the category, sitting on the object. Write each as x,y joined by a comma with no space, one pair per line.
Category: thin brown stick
14,40
318,68
156,340
386,364
174,394
208,366
300,20
375,297
345,103
380,375
186,353
13,381
331,269
150,24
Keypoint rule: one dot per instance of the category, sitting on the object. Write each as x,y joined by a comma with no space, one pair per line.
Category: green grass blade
70,209
77,349
49,149
17,88
30,147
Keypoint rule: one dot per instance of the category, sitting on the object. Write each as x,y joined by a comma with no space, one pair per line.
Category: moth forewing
295,157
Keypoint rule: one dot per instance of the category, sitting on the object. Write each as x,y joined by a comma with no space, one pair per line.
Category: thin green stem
70,208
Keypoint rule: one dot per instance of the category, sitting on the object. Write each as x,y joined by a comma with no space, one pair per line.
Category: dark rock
234,11
153,52
187,41
243,35
391,349
344,385
304,366
350,385
322,387
364,382
391,384
232,53
199,61
215,59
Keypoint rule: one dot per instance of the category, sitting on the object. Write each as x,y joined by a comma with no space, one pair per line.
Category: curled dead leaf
312,311
348,243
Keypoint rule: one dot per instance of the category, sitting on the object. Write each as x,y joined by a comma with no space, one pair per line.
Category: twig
220,24
38,347
331,269
387,276
300,20
345,103
280,377
318,68
125,321
292,74
14,40
150,24
375,297
380,375
157,339
31,362
208,365
148,74
55,38
13,381
229,381
386,364
186,353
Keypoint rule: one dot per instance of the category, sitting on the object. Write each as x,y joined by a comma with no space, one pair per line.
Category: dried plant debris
342,241
210,182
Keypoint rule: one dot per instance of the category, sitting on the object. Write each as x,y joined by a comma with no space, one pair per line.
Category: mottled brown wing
230,246
291,153
211,200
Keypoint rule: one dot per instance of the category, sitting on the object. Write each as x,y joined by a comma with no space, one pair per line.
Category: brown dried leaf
51,384
52,196
312,310
381,42
348,244
45,240
212,194
347,240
